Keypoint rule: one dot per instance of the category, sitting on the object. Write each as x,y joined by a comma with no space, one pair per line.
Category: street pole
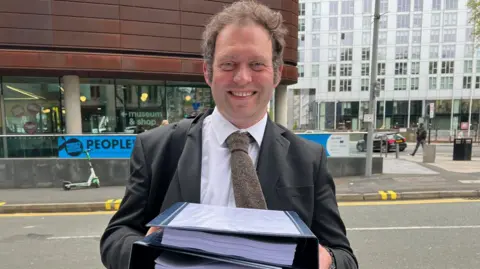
373,89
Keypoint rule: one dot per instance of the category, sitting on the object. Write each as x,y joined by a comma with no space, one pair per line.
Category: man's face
243,76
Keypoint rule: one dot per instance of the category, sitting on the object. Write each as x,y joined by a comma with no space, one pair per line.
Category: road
408,234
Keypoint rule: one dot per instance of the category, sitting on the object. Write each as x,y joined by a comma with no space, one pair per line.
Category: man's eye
227,66
257,66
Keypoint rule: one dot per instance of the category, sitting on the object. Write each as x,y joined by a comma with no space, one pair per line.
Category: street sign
368,117
432,110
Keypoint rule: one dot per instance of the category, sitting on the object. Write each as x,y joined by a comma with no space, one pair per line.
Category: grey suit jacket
292,172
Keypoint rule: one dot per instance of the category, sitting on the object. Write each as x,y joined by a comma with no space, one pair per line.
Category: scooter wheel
66,188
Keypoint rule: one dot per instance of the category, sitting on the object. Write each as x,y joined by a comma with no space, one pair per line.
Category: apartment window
403,5
436,4
367,6
300,70
315,70
402,37
347,6
468,35
468,66
448,51
365,85
416,51
346,85
434,36
346,55
418,5
467,82
332,70
449,35
347,38
316,9
383,6
315,55
415,68
347,23
477,82
403,21
400,68
315,40
382,53
332,54
383,22
401,52
367,22
301,9
468,50
417,20
365,69
448,67
332,39
382,38
450,19
451,4
400,84
478,66
333,8
346,70
366,38
301,55
433,68
301,24
432,83
331,85
333,24
381,69
414,83
365,54
435,20
316,24
301,40
446,83
433,52
417,36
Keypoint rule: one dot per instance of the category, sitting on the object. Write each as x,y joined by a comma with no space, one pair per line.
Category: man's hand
325,260
154,229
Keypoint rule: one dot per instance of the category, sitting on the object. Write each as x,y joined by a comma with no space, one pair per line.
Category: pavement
404,178
394,234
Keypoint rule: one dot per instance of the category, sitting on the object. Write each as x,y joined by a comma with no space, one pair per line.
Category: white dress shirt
216,185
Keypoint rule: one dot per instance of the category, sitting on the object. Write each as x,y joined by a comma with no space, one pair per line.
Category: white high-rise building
426,55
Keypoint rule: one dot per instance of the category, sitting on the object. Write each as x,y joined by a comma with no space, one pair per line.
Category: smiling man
234,155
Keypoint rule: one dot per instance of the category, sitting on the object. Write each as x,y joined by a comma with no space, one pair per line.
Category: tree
474,6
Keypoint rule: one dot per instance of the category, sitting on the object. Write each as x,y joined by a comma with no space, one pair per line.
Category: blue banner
336,145
101,146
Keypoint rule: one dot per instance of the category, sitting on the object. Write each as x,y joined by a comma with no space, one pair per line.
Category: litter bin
462,149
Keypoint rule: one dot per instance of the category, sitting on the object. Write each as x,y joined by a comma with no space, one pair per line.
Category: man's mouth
242,94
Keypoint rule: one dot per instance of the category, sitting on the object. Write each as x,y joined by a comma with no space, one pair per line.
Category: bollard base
429,152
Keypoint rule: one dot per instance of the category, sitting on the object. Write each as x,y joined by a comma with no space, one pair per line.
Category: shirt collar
223,128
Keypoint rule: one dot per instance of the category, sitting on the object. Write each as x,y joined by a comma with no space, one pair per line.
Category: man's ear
206,73
279,75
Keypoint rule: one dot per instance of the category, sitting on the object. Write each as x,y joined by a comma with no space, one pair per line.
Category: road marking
56,214
413,228
117,203
409,202
2,203
72,237
383,194
475,181
393,195
108,204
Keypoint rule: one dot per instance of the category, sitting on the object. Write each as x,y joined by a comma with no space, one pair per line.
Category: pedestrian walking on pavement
421,137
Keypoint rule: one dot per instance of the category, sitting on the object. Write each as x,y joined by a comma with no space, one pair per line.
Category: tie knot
239,141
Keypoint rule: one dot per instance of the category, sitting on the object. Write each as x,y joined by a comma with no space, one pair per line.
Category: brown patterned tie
246,186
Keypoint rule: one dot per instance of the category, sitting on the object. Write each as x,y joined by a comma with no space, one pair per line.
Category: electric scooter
92,182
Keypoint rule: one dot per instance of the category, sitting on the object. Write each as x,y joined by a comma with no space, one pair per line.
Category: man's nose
243,75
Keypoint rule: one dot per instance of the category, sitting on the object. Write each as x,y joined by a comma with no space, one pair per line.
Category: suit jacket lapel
190,162
271,160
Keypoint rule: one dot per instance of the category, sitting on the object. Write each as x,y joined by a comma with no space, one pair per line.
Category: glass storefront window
187,100
32,105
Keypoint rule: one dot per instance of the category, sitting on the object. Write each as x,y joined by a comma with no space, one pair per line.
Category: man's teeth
242,93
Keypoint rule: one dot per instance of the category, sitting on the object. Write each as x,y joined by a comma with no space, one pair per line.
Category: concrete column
281,105
71,96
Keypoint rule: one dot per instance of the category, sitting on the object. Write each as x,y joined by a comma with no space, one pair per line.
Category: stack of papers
270,251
